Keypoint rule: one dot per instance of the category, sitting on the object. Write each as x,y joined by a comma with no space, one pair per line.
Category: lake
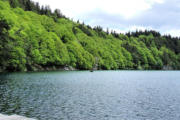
99,95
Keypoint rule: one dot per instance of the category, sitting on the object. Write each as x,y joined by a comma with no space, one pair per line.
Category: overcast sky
123,15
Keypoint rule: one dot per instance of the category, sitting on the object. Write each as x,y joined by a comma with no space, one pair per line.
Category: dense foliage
34,37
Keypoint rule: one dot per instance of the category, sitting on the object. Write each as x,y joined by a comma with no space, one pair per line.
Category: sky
123,15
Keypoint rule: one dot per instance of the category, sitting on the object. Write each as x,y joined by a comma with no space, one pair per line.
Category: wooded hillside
34,37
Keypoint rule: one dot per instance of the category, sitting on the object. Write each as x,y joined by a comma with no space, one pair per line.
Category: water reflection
102,95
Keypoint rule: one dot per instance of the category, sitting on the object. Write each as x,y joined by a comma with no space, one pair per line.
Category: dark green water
84,95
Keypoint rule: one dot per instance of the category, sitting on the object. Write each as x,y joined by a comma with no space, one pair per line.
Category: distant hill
35,38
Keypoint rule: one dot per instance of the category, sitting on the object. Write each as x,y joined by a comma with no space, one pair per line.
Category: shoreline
61,70
14,117
70,68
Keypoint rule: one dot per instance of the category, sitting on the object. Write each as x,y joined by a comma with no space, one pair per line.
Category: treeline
29,5
34,40
170,42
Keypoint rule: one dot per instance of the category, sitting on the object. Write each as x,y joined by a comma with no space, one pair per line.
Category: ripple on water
101,95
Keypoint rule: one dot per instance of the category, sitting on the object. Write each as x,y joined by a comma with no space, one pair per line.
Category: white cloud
175,32
123,15
124,8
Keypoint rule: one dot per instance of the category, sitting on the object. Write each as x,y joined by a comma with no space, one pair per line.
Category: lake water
84,95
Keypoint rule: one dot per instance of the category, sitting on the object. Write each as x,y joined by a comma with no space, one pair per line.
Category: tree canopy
33,37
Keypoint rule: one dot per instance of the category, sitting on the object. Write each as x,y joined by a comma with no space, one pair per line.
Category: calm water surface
84,95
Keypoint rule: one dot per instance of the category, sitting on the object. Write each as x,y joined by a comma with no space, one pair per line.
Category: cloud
123,15
125,8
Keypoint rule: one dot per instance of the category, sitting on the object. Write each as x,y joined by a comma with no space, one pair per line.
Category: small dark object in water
91,71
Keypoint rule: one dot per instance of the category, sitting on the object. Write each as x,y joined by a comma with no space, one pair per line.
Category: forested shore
33,37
